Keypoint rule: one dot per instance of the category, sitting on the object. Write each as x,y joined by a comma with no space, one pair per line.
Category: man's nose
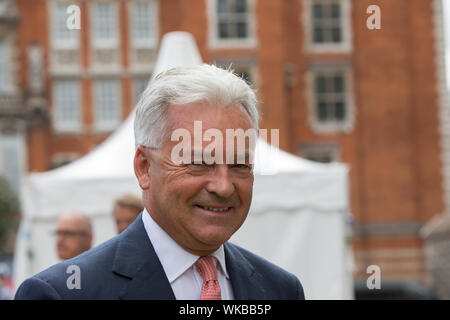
220,182
60,243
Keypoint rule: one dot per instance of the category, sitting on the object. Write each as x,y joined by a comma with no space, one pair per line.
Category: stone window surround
318,127
343,47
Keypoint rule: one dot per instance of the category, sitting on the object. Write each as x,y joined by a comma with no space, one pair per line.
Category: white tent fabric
298,221
297,218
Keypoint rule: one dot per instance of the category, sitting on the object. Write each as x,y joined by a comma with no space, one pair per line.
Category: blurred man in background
126,209
5,289
73,235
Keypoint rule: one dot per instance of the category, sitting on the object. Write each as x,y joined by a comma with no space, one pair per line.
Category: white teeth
216,209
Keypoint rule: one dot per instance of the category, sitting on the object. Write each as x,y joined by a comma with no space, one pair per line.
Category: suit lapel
246,282
142,275
136,262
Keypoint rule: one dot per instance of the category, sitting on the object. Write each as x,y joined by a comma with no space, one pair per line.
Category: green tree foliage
9,206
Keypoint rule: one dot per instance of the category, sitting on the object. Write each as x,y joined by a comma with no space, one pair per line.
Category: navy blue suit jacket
127,267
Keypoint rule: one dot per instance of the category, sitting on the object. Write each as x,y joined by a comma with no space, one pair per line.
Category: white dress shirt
178,264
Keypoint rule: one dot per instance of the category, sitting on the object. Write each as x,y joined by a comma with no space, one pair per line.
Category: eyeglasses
69,233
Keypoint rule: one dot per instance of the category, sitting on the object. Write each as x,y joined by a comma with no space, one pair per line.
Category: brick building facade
337,90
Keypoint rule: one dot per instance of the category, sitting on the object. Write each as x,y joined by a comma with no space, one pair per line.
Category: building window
143,24
66,105
64,42
107,104
232,19
104,24
331,102
231,23
328,24
62,37
144,35
11,162
319,152
4,74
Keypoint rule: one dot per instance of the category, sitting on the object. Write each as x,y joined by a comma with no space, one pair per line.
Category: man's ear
141,167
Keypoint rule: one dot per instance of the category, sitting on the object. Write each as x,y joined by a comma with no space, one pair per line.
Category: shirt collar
174,259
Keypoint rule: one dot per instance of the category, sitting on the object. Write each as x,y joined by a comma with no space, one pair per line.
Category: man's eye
241,166
199,164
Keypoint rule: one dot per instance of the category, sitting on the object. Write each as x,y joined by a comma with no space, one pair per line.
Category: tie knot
207,268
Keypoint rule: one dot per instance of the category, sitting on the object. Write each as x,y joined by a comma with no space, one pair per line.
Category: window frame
332,126
66,126
345,46
18,140
59,44
112,43
215,42
101,125
5,71
150,42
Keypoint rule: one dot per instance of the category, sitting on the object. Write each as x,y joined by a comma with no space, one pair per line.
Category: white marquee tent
297,219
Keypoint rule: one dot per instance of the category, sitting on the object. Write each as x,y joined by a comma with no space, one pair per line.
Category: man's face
124,216
200,206
72,238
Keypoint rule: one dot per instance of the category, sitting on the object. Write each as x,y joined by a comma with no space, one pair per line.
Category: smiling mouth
222,209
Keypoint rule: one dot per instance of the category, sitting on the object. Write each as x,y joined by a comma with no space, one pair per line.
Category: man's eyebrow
240,154
245,156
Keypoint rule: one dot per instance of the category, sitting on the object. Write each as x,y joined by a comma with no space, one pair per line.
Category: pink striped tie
207,269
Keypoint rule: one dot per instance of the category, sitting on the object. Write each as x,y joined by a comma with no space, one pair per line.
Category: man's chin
215,236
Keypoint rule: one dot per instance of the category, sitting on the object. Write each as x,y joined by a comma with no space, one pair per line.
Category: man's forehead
210,114
73,221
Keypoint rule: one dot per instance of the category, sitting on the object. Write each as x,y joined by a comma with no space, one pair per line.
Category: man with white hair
195,197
